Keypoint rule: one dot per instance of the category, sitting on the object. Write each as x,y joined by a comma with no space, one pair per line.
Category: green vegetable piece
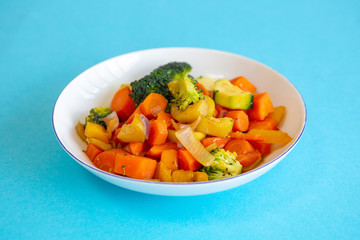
225,165
157,81
230,96
185,92
96,114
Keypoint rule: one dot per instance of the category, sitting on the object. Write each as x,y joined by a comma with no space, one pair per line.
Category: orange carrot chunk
219,141
239,146
106,160
187,162
137,148
244,84
153,104
267,123
166,117
249,158
263,148
123,104
135,166
262,107
158,132
241,120
156,150
131,118
246,136
92,151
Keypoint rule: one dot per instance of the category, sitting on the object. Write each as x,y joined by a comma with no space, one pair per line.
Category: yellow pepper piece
218,127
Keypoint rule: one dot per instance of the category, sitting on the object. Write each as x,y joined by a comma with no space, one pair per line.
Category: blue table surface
314,193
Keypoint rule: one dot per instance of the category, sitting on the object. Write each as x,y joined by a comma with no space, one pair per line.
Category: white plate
97,85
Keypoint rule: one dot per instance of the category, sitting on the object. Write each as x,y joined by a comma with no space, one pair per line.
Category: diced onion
188,140
194,124
111,121
147,125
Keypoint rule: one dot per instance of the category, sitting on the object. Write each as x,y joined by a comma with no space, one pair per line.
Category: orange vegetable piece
135,166
182,176
187,162
131,118
158,132
153,100
263,148
204,91
246,153
156,150
272,136
241,120
220,111
278,114
92,151
162,172
246,136
114,136
106,160
267,123
200,177
170,159
244,84
239,146
166,117
123,104
137,148
262,107
249,158
219,141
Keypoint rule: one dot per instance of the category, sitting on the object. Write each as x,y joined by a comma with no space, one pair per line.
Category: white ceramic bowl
97,85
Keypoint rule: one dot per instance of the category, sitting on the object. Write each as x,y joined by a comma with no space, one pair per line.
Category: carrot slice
267,123
106,160
153,100
92,151
166,117
249,158
241,120
135,166
187,162
262,107
137,148
246,136
204,91
244,84
219,141
131,118
239,146
263,148
123,104
156,150
158,132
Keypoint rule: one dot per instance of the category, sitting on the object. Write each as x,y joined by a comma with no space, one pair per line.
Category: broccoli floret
157,81
224,165
177,70
185,92
96,114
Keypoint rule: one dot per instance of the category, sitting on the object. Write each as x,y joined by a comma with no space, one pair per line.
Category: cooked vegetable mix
170,127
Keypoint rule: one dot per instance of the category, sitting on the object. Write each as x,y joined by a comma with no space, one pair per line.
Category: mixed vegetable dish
171,127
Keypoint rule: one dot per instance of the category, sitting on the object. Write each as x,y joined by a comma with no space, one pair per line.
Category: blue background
314,193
